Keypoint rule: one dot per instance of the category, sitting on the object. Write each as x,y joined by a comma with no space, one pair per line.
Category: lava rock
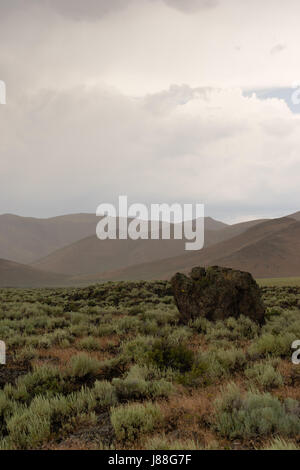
217,293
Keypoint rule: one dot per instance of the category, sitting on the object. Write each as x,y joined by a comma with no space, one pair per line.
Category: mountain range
64,250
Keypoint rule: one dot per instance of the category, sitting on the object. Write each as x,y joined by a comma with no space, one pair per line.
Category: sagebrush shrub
139,384
265,375
104,394
83,365
130,422
88,344
114,367
165,355
45,380
273,345
28,430
255,414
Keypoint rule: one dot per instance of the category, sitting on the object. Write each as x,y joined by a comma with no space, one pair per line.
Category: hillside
19,275
93,256
269,249
26,239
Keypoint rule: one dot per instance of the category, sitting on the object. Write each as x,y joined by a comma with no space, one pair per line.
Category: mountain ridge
264,247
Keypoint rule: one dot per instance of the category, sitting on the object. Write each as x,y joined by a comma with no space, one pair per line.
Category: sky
189,101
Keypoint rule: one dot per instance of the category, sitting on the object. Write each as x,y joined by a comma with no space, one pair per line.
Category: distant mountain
19,275
295,216
229,231
92,256
214,225
267,249
26,239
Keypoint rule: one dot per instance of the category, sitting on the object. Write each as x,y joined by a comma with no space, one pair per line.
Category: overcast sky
154,99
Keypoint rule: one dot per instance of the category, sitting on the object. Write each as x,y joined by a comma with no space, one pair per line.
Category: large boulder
217,293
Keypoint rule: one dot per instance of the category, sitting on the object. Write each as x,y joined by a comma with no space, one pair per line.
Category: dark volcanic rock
217,293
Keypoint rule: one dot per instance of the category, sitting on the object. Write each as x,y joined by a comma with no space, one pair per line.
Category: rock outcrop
217,293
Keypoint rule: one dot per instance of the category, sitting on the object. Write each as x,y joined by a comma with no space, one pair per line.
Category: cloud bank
73,150
146,98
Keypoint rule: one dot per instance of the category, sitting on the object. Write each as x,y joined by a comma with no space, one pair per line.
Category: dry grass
61,357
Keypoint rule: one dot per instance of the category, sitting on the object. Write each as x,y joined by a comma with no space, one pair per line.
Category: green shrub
198,375
130,422
30,427
161,317
88,344
269,344
139,384
200,324
177,336
177,357
26,354
274,311
281,444
7,409
114,367
137,349
232,359
265,375
28,430
240,329
104,394
45,380
255,415
5,444
126,325
83,365
135,310
105,330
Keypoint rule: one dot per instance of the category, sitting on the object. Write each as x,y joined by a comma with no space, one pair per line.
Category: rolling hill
19,275
92,256
26,239
268,249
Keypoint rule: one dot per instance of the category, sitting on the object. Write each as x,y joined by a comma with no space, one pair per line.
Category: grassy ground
280,282
111,367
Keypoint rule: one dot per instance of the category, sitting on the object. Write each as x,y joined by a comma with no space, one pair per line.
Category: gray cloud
74,9
8,6
69,151
86,9
95,9
191,6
